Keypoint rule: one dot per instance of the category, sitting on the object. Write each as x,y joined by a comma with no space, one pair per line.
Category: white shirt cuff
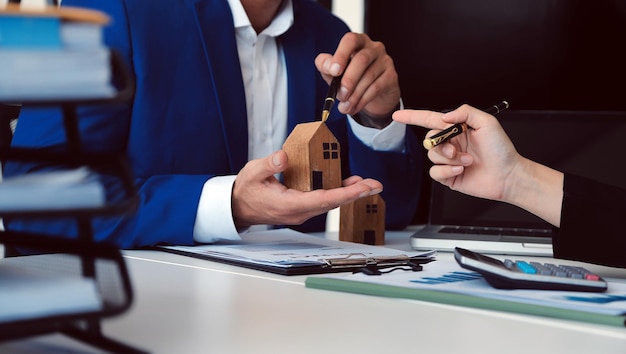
214,219
390,138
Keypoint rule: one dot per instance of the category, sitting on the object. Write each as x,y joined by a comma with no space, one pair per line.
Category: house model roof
304,132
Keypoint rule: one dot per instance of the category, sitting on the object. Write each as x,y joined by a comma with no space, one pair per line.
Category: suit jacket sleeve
591,230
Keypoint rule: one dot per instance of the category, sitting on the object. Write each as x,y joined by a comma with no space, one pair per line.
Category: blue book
30,31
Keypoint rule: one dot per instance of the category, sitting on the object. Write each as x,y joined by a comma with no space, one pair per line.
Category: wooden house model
363,221
314,158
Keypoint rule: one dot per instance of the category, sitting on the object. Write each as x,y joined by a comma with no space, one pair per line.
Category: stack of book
30,294
52,190
52,54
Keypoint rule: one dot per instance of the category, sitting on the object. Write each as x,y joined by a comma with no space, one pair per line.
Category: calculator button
544,271
556,270
525,267
509,263
541,269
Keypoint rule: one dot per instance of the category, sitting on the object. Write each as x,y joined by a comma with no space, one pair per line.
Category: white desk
187,305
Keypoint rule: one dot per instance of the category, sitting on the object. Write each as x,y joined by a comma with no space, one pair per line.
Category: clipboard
288,252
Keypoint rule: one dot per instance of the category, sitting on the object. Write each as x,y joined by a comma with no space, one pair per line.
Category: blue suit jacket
187,121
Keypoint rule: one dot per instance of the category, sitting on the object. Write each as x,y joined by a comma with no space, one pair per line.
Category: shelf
80,257
74,156
72,259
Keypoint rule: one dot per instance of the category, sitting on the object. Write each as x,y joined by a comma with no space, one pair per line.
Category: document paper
287,248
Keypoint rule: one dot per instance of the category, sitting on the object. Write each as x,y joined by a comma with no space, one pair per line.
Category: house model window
330,151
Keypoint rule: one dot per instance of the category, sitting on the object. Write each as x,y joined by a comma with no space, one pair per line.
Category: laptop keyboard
494,231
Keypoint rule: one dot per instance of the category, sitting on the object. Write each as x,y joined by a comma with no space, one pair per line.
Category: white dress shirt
265,83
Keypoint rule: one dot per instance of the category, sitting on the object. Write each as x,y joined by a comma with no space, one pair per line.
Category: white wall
352,12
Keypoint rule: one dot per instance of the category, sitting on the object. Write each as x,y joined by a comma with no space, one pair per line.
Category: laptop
587,143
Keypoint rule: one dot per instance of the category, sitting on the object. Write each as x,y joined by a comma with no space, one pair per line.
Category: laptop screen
585,143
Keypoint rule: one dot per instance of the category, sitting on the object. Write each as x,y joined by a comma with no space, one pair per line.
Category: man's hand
370,82
259,198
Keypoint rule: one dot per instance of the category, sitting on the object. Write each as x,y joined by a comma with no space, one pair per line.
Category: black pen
330,97
459,128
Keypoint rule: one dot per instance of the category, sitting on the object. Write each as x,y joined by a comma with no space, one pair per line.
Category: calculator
510,274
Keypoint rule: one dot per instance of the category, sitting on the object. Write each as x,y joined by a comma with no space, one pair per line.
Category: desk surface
187,305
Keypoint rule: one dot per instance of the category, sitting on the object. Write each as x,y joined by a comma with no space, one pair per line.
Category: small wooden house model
314,158
363,221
